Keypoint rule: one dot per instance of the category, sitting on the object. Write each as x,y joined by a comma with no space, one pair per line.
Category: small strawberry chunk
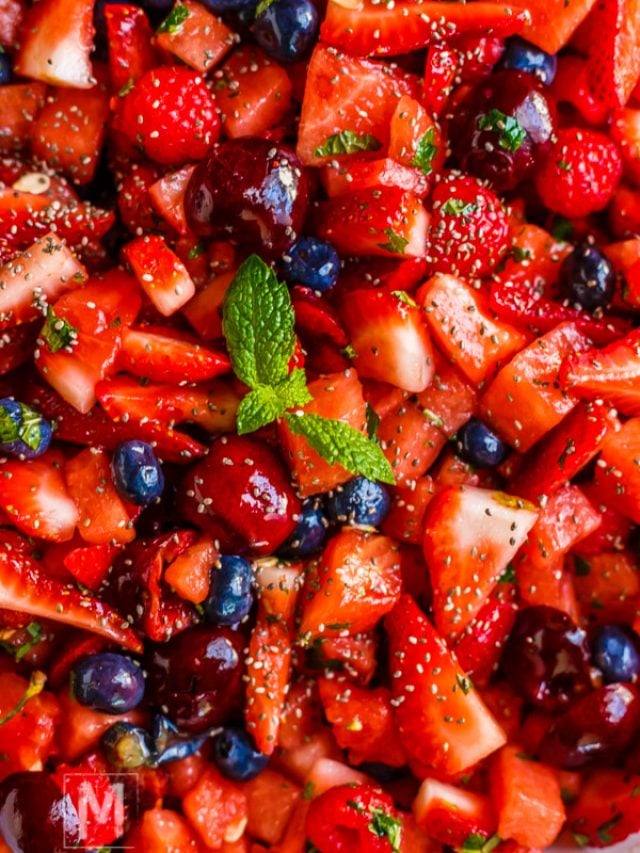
161,274
216,809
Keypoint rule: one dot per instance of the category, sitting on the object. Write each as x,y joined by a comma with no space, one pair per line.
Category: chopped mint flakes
510,132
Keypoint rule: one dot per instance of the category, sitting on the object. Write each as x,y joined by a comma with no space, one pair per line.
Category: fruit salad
319,426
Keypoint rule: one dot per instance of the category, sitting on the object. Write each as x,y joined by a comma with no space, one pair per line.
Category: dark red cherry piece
250,191
597,727
196,678
35,816
547,658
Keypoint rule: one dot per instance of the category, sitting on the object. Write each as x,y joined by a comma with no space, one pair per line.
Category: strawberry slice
167,195
57,40
162,357
451,815
129,36
24,586
19,105
161,274
351,586
443,723
34,496
38,275
617,474
351,175
390,337
365,28
268,668
479,648
611,374
471,534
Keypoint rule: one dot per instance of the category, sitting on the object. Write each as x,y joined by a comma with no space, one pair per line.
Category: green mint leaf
347,142
57,333
26,427
509,575
128,86
480,843
386,826
458,207
338,442
403,296
196,251
265,403
582,567
603,830
580,839
510,132
395,242
307,791
257,322
293,390
34,630
425,152
174,20
373,423
262,6
562,228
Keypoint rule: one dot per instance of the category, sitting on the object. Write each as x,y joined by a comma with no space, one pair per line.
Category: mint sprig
426,150
347,142
510,132
257,322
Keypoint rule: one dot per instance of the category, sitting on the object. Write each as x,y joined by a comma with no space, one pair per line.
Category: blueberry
236,756
218,6
137,474
521,55
23,430
587,277
126,746
360,501
479,446
108,682
286,29
310,533
312,262
169,745
616,652
6,71
230,596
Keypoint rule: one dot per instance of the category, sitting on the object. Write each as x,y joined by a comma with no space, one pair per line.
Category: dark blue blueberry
6,70
126,746
312,262
587,277
108,682
169,745
360,501
521,55
479,446
137,474
230,596
219,6
310,533
23,430
616,652
286,29
236,756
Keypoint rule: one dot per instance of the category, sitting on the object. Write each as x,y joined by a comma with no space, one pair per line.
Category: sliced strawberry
167,196
57,40
353,175
367,28
471,535
443,723
347,95
525,400
565,451
26,587
90,564
415,139
553,22
103,517
161,274
154,355
451,815
339,396
386,222
201,40
611,374
20,103
441,67
390,338
34,496
315,317
463,325
479,648
129,36
617,474
535,258
410,441
46,270
351,586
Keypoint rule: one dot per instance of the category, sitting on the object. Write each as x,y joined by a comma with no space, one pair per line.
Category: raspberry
171,115
580,173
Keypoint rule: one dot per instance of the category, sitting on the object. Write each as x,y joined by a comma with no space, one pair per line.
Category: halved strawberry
20,103
351,175
617,473
470,536
152,354
452,815
56,43
129,36
34,496
525,401
365,28
201,40
479,648
103,517
25,586
390,338
611,374
38,275
415,139
90,564
167,196
463,325
160,272
351,586
351,100
443,723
